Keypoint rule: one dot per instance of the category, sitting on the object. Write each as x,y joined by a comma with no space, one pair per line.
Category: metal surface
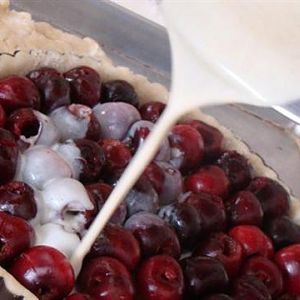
143,46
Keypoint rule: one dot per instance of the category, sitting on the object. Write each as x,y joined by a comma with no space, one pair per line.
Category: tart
207,219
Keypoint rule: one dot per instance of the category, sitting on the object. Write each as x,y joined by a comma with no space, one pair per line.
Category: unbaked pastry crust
26,45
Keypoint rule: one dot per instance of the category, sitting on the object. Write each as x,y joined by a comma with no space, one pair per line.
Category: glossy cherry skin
2,116
155,236
16,236
186,147
155,175
253,240
212,139
185,220
272,196
119,91
151,111
45,271
17,198
23,122
283,232
204,275
209,179
99,193
117,242
224,248
266,271
210,209
8,156
236,168
53,88
160,278
85,85
244,209
288,261
92,158
117,155
78,296
106,278
250,288
17,92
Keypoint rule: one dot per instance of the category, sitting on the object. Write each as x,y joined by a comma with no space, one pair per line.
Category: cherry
186,147
23,122
160,278
2,116
45,271
253,240
244,209
250,288
266,271
16,235
119,243
209,179
54,89
212,139
17,92
17,198
218,297
224,248
117,155
78,296
283,232
185,220
156,176
92,157
85,85
151,111
99,193
288,261
155,236
272,196
119,91
8,156
106,278
204,275
210,209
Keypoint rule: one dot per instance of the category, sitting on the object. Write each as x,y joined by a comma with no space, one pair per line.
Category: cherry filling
196,225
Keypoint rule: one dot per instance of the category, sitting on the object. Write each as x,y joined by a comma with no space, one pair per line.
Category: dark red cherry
266,271
17,198
151,111
212,138
283,232
8,156
288,261
16,236
45,271
244,209
272,196
54,89
209,179
17,92
106,278
224,248
186,147
204,275
92,157
2,116
253,240
117,242
119,91
155,175
236,168
250,288
160,278
85,85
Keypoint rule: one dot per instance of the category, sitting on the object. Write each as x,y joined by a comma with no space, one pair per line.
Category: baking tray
143,46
